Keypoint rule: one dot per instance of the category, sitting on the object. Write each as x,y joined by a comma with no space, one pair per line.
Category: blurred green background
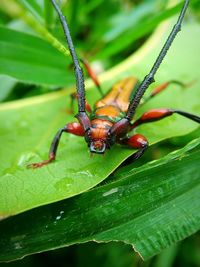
105,32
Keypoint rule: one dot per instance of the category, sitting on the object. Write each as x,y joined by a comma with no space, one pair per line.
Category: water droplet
24,159
17,245
58,217
110,192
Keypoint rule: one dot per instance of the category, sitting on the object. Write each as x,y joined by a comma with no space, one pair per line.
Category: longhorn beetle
111,119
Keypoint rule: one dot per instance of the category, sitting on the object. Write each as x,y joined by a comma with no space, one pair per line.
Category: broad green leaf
135,28
150,207
16,10
131,33
129,20
31,124
31,59
8,84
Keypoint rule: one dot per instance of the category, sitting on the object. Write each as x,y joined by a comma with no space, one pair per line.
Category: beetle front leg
136,141
73,128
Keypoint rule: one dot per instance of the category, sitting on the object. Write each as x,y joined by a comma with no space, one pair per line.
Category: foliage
117,211
32,53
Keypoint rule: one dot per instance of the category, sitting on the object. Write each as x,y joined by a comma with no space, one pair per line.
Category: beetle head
97,146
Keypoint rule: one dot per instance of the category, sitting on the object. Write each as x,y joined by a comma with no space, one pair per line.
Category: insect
111,120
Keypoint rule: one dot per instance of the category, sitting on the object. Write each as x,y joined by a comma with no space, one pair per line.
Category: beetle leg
92,75
162,87
74,96
136,141
158,114
73,128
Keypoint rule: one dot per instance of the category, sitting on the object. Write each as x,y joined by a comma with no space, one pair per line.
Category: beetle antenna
80,86
150,77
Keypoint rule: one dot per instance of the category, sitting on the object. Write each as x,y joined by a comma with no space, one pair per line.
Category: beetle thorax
100,128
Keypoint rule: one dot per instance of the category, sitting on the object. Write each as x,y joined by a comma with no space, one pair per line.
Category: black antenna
80,86
150,77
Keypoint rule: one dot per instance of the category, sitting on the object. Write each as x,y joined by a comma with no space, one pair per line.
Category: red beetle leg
152,115
162,87
92,75
136,141
90,72
159,89
73,128
158,114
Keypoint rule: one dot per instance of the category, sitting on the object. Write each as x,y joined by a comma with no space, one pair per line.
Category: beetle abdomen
120,94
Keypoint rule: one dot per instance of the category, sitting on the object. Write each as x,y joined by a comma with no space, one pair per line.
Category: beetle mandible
111,120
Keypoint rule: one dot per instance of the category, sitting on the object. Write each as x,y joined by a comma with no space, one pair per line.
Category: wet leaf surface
150,207
28,126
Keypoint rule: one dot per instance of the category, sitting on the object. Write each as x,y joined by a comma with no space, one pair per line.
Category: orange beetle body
108,110
111,120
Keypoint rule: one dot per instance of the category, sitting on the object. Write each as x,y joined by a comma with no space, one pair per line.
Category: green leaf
31,59
129,35
8,84
150,207
15,9
129,20
134,26
34,7
31,124
48,14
